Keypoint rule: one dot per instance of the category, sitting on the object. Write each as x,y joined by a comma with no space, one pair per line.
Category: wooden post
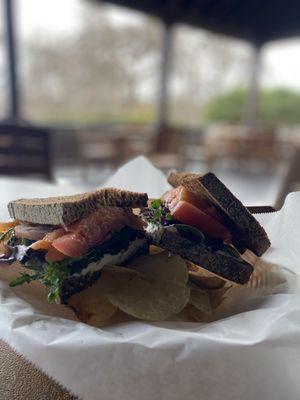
252,100
165,69
14,105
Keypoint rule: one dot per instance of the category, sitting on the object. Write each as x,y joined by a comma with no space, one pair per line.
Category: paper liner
250,350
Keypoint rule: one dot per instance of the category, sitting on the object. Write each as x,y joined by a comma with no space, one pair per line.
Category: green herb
168,217
23,278
159,214
26,242
156,204
52,275
3,236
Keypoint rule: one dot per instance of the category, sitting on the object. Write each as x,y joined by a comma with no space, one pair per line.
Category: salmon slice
46,242
91,231
172,197
54,255
71,244
95,226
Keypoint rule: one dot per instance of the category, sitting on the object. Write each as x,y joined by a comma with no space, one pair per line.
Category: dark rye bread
220,263
75,284
245,229
67,209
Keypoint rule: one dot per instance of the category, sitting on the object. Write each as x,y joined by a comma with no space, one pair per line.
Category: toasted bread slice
68,209
218,262
245,229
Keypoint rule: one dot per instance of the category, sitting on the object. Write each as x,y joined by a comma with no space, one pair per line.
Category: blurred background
193,85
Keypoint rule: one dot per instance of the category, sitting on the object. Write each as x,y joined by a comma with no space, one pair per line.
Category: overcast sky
281,59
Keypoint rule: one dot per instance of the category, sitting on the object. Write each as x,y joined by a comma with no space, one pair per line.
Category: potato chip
196,314
151,301
165,267
217,296
91,306
200,299
118,318
204,278
155,249
158,289
153,288
182,316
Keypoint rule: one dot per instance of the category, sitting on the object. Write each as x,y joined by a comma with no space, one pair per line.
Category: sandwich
64,242
203,222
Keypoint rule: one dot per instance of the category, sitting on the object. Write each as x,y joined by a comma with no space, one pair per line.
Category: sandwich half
203,222
64,242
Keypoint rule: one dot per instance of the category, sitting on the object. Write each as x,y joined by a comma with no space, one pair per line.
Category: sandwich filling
56,255
191,216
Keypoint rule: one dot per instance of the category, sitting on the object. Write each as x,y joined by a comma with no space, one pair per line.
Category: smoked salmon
195,210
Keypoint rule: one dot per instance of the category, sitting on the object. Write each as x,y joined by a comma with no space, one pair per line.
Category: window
204,66
3,75
83,62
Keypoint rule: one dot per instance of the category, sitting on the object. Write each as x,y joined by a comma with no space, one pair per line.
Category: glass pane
82,62
282,64
204,66
3,76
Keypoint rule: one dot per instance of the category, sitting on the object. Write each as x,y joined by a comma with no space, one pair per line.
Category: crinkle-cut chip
217,296
119,318
150,300
196,314
115,277
205,278
92,306
182,316
101,312
199,298
155,249
156,291
153,288
164,267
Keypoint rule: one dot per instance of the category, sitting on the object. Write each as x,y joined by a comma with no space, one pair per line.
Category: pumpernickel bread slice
245,229
220,263
67,209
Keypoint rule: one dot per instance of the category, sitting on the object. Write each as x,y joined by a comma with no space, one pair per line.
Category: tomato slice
189,214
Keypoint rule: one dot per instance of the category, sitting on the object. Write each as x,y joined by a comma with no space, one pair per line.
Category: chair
98,150
25,151
168,149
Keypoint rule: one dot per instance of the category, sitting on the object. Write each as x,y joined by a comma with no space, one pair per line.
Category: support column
165,70
252,100
13,106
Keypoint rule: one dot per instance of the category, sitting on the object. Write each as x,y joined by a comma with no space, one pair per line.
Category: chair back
25,150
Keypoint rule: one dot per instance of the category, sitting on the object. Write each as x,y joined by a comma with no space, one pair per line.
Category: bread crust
217,262
65,210
246,230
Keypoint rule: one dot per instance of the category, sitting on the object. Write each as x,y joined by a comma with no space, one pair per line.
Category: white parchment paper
252,353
